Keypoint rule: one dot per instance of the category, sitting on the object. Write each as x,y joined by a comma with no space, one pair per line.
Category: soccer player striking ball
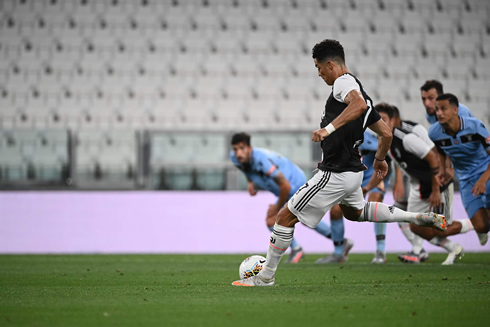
375,189
348,112
415,153
466,141
271,171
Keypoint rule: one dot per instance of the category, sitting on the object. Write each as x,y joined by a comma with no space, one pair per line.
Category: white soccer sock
443,242
381,213
417,244
466,226
280,240
405,228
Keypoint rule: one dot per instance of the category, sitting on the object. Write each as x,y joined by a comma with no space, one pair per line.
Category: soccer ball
251,266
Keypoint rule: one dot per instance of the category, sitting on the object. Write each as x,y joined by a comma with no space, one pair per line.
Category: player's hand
364,191
479,187
273,210
251,189
319,135
434,200
381,168
398,191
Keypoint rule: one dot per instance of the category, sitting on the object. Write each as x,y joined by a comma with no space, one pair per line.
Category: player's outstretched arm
356,106
284,189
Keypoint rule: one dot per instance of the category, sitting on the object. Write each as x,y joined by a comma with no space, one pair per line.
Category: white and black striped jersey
340,150
410,145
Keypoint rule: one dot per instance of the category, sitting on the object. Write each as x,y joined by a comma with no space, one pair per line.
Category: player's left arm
284,189
356,106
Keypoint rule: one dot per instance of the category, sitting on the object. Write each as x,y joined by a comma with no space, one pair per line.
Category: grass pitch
195,290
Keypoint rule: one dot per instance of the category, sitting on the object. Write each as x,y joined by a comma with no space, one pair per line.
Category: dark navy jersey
340,150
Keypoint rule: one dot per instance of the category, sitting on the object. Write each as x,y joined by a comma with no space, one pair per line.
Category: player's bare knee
351,213
286,218
479,224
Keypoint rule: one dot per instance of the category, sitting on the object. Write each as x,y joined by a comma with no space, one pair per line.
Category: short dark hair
329,50
384,107
396,112
453,100
432,84
239,138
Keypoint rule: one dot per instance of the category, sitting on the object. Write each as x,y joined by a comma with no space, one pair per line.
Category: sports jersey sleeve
412,143
266,166
484,134
421,132
464,111
343,86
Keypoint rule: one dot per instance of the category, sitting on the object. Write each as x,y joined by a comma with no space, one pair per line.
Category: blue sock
338,236
380,231
294,243
324,229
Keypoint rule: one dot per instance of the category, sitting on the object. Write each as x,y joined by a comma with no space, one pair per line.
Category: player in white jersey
348,112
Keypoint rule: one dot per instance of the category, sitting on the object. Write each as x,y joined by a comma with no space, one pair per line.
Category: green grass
195,290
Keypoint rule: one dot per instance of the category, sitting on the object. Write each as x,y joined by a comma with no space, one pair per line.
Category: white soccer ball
251,266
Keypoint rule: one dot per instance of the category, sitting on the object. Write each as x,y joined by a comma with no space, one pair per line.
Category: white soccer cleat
458,253
254,281
433,220
483,237
379,257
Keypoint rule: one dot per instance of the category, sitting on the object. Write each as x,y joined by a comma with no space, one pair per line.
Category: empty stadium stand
102,72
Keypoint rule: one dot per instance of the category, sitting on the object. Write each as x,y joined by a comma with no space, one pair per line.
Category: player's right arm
424,150
385,136
251,188
398,188
356,106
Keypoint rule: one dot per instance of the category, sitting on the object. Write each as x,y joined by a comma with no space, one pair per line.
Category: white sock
381,213
417,244
466,226
280,240
443,242
405,228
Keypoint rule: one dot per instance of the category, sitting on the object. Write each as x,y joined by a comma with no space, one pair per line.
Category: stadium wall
167,222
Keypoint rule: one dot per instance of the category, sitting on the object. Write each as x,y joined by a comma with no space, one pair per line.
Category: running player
415,154
429,92
348,112
271,171
466,141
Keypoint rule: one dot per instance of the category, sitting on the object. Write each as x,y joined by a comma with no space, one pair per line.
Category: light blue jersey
468,153
462,111
368,151
468,149
265,165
